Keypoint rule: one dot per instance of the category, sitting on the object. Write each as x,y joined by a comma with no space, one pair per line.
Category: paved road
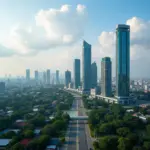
78,133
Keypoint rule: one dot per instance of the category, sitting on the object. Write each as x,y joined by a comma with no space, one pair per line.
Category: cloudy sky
41,34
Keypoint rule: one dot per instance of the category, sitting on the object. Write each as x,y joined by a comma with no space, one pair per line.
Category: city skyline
15,55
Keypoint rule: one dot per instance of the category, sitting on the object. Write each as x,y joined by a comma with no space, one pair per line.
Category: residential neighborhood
33,118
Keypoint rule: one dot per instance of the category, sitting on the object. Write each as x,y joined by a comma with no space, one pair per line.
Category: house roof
25,142
54,141
4,142
51,147
21,124
37,131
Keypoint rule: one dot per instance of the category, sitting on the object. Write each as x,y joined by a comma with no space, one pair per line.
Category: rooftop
4,142
50,147
122,26
25,142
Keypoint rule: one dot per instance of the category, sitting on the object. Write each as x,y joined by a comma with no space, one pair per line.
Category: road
78,131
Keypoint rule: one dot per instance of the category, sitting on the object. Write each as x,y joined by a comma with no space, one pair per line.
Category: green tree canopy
18,146
108,143
28,133
146,145
123,131
124,144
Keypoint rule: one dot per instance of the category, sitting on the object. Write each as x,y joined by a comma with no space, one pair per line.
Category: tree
123,131
28,133
43,141
5,122
148,129
124,144
133,137
18,146
14,140
118,123
106,128
96,115
66,117
96,145
59,125
146,145
33,145
9,134
62,139
109,117
117,109
49,130
29,127
38,121
108,143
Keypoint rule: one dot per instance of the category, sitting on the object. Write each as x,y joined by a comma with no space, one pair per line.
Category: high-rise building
93,75
57,77
106,77
67,78
86,67
48,76
122,63
36,75
27,74
44,78
76,73
2,87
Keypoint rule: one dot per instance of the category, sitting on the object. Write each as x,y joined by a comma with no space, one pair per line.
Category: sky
48,34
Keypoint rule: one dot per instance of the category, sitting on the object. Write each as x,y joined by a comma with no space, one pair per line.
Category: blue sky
103,15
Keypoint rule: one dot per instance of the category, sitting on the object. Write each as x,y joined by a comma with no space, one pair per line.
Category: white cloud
140,39
139,48
53,28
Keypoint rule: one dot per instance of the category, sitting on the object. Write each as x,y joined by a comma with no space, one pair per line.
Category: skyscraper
57,77
44,77
67,78
48,76
2,87
27,74
36,75
93,75
106,79
122,63
76,73
86,67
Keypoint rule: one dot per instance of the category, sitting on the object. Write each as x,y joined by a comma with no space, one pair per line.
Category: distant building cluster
45,77
2,87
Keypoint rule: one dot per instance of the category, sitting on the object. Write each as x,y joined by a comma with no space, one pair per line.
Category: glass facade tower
27,74
48,76
86,67
122,62
67,78
106,77
93,75
76,73
57,76
36,75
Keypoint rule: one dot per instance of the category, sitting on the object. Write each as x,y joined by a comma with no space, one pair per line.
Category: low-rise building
4,143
